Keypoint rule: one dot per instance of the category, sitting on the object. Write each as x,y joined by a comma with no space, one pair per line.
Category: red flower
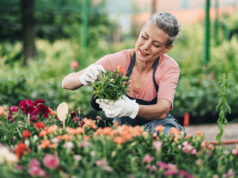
34,108
27,106
21,147
39,125
38,101
43,109
26,133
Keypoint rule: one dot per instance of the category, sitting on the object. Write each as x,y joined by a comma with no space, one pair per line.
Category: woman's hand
119,108
91,74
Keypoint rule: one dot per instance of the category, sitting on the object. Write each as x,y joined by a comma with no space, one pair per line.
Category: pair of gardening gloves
119,108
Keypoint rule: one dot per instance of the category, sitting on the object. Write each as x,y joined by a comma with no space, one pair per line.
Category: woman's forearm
71,81
156,111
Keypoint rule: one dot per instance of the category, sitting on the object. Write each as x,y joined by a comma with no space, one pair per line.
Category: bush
43,147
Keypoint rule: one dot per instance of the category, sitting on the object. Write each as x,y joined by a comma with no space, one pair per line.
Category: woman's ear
168,48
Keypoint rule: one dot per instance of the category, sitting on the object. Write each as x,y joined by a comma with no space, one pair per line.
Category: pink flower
51,161
172,167
19,167
235,151
101,162
147,158
34,163
162,165
74,65
153,168
230,173
13,109
188,148
185,174
157,145
107,168
170,172
36,171
194,151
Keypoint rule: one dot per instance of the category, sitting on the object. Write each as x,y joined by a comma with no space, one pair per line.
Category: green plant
222,107
111,86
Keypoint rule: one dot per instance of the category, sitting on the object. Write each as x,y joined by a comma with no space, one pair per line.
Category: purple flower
147,158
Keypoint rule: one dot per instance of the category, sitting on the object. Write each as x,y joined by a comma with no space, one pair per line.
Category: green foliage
54,20
223,108
13,90
84,149
111,86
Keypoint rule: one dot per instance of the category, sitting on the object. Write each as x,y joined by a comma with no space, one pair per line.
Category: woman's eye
157,45
143,37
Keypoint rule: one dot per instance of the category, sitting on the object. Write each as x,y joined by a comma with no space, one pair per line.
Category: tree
28,30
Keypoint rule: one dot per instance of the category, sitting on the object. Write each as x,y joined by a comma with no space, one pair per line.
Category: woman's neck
142,66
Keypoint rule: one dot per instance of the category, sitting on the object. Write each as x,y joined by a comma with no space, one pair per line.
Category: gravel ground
210,131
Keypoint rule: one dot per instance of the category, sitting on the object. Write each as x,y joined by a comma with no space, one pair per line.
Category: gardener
153,77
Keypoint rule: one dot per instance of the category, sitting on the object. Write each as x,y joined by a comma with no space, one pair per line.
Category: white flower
35,138
92,153
27,142
68,145
77,157
55,140
6,155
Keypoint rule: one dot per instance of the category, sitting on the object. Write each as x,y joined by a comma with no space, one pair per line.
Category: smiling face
151,43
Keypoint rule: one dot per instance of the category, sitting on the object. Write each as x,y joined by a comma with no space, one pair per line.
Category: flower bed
33,143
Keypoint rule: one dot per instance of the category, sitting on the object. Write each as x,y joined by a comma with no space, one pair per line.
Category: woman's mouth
143,53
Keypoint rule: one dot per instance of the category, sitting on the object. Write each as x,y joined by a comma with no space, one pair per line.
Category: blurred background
41,41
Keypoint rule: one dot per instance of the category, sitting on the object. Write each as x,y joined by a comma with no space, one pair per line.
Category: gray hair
166,22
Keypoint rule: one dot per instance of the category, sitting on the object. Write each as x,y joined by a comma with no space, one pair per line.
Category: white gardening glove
119,108
91,74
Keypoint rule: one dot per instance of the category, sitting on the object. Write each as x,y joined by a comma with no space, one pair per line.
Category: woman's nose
146,45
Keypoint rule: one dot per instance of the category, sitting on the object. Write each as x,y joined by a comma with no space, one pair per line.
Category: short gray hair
166,22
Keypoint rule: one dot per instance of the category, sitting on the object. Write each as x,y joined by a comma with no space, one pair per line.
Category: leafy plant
223,108
112,85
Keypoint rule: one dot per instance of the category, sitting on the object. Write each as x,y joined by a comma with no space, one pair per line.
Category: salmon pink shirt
166,76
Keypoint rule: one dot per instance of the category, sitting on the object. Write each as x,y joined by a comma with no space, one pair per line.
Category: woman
153,77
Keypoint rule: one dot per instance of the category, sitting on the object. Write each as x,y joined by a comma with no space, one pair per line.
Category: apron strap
132,63
129,70
154,70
